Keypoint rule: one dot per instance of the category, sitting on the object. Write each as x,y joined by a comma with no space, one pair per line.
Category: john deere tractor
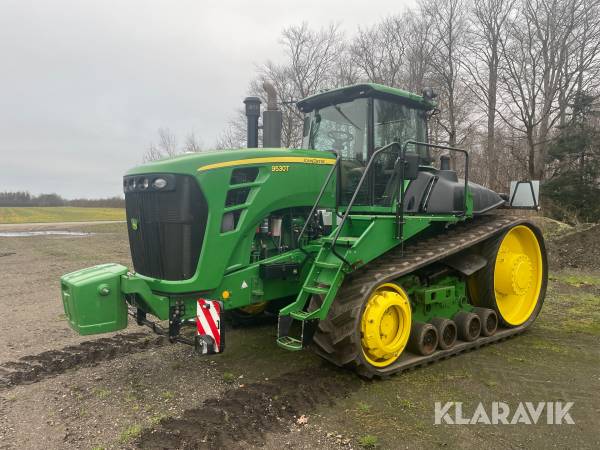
368,249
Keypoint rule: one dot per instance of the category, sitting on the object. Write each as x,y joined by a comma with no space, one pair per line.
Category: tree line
23,198
518,85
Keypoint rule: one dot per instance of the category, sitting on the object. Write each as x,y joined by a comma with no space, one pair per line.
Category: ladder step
326,265
300,315
289,343
315,290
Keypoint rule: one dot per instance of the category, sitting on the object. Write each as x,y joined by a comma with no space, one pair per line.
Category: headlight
159,183
144,183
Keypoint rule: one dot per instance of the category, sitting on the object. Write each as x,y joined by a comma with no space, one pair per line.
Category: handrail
316,204
400,198
355,194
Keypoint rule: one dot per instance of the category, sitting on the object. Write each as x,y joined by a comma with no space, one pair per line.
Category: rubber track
33,368
337,338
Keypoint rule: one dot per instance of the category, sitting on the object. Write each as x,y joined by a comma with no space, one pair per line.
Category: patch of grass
156,419
490,383
368,441
58,214
228,377
583,325
98,448
577,313
363,406
515,358
167,395
130,433
542,344
577,280
101,393
407,404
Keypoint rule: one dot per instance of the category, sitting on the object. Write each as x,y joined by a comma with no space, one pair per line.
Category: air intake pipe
252,115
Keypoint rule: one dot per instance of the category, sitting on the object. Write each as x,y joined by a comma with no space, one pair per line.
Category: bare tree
488,25
447,19
508,72
313,63
535,54
582,63
418,52
192,144
378,51
166,146
554,22
234,134
312,57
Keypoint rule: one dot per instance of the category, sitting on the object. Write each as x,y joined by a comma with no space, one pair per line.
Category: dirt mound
33,368
578,250
242,416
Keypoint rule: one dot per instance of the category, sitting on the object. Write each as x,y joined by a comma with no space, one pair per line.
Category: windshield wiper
338,109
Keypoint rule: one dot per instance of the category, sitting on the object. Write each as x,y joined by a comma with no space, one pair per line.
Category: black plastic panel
442,192
166,229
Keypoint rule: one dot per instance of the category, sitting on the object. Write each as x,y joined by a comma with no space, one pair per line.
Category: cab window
342,127
393,122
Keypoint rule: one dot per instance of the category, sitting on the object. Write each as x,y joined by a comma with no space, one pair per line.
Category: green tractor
369,250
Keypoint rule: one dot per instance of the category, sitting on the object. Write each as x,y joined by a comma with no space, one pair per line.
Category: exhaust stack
272,118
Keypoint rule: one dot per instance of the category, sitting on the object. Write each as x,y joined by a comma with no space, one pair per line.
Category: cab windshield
346,126
341,127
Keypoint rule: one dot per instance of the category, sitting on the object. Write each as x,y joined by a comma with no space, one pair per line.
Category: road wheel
364,331
447,332
385,325
514,281
468,326
423,338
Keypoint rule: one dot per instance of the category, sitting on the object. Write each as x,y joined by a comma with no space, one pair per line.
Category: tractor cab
358,120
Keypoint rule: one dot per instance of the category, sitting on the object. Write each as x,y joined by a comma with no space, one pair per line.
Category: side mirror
411,166
525,194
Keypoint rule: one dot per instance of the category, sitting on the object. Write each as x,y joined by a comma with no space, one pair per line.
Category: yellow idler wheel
385,325
254,309
514,281
248,315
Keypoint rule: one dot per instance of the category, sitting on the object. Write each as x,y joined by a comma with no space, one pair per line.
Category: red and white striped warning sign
208,321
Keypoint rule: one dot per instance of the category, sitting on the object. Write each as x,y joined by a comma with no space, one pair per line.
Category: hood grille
166,228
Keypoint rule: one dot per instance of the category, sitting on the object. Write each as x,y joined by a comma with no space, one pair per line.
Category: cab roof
352,92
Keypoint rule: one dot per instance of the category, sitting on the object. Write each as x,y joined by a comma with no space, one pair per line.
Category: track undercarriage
339,338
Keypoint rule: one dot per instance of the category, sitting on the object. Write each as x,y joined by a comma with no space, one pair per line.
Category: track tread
337,338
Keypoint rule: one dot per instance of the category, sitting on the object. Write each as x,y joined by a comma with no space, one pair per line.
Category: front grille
166,226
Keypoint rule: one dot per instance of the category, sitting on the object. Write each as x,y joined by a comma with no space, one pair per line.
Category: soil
576,250
135,390
243,416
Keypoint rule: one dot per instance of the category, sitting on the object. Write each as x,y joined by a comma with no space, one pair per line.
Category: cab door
392,122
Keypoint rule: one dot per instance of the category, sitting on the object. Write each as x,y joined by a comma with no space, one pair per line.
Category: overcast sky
84,85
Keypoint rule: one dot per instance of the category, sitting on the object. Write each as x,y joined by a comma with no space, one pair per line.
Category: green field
58,214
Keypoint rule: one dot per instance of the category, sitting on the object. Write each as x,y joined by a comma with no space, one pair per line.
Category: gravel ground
131,390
